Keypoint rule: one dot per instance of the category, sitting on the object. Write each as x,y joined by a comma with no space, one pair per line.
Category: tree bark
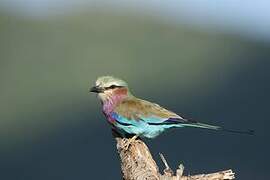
137,164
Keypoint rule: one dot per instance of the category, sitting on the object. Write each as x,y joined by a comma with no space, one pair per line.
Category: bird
133,116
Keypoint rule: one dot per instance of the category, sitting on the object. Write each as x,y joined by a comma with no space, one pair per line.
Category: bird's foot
130,141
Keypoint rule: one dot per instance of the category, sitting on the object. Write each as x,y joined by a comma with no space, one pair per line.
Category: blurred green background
52,128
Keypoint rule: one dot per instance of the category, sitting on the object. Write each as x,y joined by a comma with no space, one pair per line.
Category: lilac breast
107,111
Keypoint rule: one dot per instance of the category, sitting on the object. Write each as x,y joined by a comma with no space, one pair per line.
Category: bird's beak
96,89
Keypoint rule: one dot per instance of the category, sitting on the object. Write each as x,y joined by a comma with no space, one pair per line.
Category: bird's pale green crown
108,81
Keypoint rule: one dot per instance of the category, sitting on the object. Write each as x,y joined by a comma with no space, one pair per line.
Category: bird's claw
129,141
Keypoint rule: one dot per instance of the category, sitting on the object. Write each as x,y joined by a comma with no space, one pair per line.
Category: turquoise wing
136,116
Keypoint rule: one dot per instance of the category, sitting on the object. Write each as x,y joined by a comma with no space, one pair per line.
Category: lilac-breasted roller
131,115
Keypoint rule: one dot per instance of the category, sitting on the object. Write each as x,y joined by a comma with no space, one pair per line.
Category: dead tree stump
137,164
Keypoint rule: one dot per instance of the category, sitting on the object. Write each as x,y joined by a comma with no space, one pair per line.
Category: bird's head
109,86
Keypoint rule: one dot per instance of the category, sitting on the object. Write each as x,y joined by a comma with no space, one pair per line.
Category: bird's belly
142,129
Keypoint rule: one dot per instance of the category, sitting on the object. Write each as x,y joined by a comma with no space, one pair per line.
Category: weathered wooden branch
137,164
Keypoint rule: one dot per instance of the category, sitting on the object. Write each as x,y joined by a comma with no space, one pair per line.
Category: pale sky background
246,18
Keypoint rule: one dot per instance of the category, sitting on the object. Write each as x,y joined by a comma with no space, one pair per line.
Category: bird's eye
113,86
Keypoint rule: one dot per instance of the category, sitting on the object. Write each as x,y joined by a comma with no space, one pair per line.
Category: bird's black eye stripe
112,87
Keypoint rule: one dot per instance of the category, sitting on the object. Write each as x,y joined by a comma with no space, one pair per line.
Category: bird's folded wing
130,111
